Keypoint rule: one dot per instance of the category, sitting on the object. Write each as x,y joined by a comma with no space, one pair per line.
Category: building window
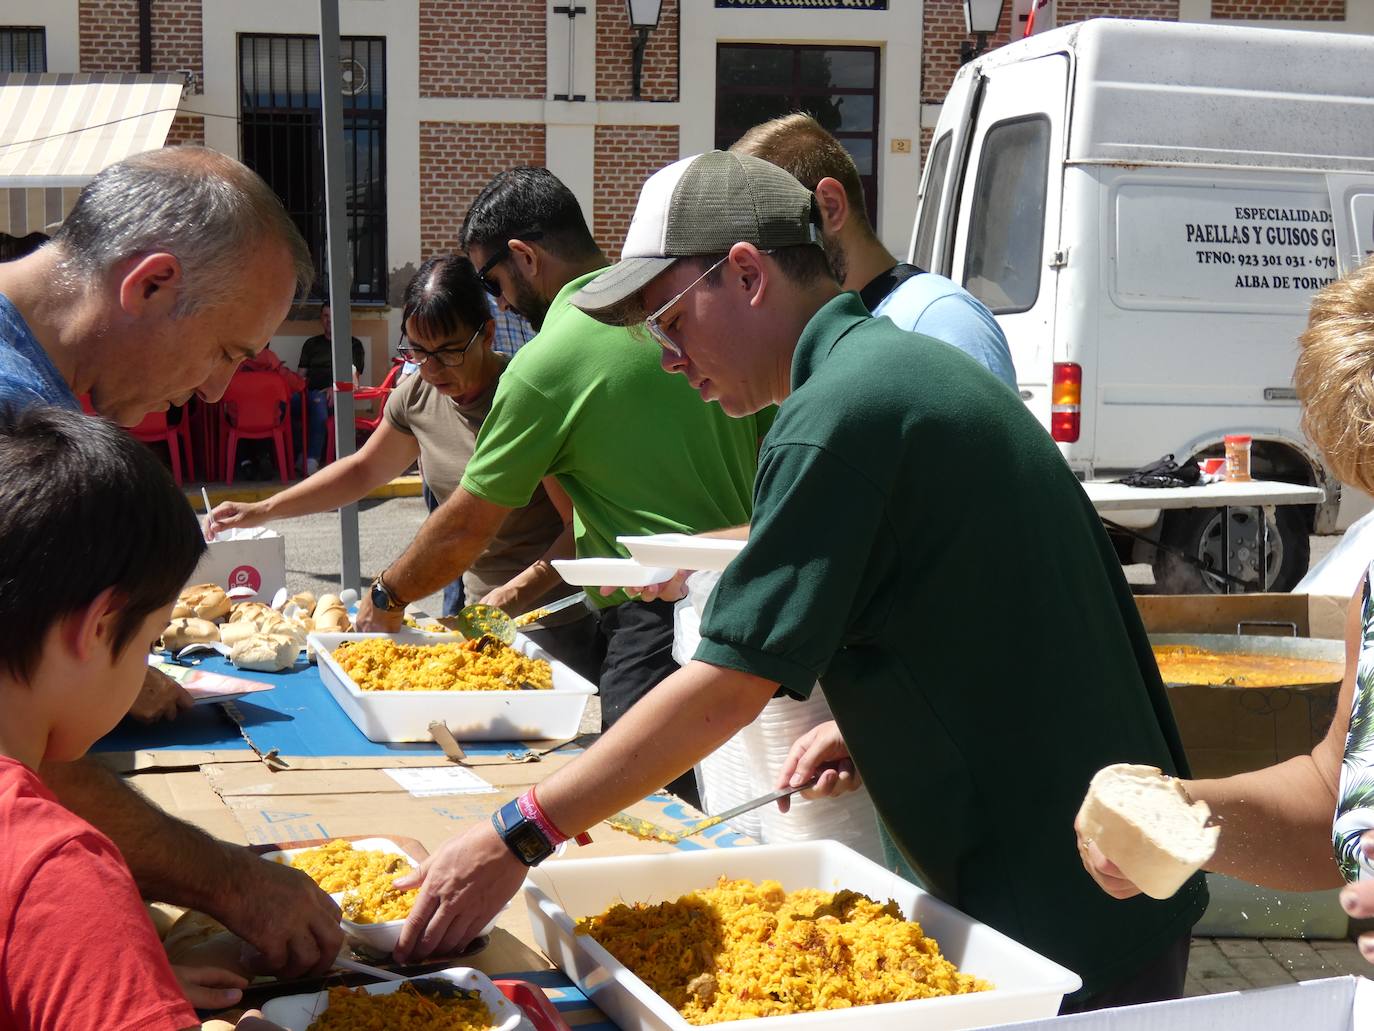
23,49
281,139
838,86
1007,224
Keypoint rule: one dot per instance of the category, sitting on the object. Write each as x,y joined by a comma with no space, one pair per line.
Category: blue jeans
454,594
317,419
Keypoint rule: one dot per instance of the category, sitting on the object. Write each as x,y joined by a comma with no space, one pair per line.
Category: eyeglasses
658,332
502,253
448,357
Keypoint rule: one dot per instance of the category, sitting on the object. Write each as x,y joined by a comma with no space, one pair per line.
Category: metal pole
340,289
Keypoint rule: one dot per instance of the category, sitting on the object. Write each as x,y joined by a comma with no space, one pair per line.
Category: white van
1147,208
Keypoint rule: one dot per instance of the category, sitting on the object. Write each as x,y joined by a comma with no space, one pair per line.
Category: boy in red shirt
95,542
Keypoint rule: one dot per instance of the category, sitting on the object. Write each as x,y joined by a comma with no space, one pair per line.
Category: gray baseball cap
703,205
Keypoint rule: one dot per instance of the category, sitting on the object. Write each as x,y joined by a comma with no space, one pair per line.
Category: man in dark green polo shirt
918,545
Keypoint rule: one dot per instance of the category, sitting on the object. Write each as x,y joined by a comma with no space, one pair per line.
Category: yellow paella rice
380,664
338,866
743,950
352,1009
376,901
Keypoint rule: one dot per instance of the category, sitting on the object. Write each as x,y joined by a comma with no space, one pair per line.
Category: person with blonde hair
1277,824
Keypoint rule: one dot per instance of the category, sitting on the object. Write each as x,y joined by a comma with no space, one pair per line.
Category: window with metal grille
837,86
23,49
281,138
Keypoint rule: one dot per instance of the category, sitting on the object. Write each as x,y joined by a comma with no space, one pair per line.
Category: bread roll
333,621
182,611
328,601
305,600
232,633
1145,823
255,612
206,601
181,633
268,653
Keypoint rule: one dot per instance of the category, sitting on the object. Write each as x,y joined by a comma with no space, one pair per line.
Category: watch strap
393,604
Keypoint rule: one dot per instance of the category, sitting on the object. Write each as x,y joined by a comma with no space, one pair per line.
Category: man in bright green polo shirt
976,639
585,403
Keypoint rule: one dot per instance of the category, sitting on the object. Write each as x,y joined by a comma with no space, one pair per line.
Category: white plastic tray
679,551
1027,985
470,715
610,572
296,1012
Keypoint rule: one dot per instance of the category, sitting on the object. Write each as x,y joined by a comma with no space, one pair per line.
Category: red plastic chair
256,407
378,394
155,429
367,423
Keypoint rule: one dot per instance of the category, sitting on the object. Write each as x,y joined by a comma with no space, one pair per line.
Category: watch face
380,599
530,843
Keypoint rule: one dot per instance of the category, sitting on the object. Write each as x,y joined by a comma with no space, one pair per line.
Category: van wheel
1197,532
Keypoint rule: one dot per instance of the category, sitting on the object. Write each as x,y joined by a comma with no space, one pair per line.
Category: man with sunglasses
586,404
877,563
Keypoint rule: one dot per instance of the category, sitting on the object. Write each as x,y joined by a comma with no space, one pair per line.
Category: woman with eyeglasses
434,415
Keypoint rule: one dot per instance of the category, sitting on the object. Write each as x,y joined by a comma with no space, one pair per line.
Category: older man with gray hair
173,267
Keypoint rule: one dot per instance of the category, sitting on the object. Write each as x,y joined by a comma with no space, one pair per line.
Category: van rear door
1007,237
1352,216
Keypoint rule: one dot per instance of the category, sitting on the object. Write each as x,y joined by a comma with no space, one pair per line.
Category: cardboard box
1331,1004
255,559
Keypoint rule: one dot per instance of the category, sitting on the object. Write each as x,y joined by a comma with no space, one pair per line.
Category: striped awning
58,130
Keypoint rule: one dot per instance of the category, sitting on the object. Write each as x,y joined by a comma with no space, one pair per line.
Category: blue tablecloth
298,717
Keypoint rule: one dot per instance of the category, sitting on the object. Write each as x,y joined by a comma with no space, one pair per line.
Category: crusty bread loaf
181,633
266,652
1145,823
206,601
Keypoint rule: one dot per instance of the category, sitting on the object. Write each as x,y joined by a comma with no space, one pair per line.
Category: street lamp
643,19
981,18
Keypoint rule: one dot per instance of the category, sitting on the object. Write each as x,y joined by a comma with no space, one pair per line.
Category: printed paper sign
427,782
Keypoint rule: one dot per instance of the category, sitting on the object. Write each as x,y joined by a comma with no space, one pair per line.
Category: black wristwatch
521,835
382,598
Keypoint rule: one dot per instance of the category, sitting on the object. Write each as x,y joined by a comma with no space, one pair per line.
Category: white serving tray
1027,986
470,715
296,1012
679,551
610,572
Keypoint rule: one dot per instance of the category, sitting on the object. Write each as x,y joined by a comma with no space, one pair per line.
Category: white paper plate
610,572
680,551
296,1012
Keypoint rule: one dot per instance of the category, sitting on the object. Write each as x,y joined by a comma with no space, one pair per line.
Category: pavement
387,525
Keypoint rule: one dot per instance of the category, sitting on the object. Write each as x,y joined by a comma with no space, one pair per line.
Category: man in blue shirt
172,268
916,300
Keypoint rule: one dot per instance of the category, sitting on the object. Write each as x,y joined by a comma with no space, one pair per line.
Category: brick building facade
626,155
475,86
459,158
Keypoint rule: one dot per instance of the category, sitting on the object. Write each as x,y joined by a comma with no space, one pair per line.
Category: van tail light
1066,402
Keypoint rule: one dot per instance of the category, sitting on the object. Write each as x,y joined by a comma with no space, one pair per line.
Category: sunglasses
658,332
502,253
448,357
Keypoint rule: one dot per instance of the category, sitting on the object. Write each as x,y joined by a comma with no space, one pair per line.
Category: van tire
1197,532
